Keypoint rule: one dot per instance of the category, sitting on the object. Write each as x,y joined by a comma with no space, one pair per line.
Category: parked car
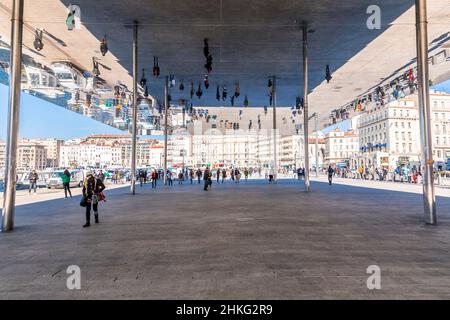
76,179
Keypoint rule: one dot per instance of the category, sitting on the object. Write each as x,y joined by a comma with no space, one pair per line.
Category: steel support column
317,143
425,112
134,128
166,108
305,106
274,111
13,117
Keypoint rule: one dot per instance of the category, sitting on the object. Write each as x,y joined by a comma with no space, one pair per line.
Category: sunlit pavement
441,191
252,240
44,194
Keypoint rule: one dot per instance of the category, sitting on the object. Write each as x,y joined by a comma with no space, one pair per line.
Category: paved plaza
247,241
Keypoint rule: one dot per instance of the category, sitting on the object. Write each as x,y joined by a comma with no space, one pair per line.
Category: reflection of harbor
79,90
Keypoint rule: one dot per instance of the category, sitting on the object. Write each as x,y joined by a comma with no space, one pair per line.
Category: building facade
390,134
340,147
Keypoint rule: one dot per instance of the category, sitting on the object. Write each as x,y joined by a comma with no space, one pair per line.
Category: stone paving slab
247,241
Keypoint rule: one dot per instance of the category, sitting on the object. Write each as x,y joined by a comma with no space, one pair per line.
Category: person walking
115,176
101,176
224,175
246,174
32,179
218,175
207,177
271,175
180,177
330,174
191,175
66,183
169,177
199,175
142,177
92,193
237,174
154,178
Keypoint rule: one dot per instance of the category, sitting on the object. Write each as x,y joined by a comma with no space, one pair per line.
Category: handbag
83,201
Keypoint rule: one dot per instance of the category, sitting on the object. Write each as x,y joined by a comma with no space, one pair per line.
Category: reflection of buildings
70,86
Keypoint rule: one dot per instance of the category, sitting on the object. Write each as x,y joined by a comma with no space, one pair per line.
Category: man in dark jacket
330,174
92,190
199,175
207,177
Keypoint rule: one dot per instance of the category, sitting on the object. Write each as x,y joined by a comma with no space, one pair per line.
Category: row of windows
441,142
347,147
373,128
403,135
438,127
436,104
441,116
402,124
401,113
374,138
404,147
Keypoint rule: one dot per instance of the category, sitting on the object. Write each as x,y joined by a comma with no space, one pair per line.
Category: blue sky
42,119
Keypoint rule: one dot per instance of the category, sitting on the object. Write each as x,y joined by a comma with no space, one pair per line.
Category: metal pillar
166,108
134,128
13,117
425,111
274,107
317,143
305,106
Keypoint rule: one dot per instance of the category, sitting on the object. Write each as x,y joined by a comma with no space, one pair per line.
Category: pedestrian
191,175
207,177
115,176
169,177
92,194
199,175
141,177
271,175
101,176
66,177
330,174
180,177
237,174
32,179
218,175
224,175
154,178
246,174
